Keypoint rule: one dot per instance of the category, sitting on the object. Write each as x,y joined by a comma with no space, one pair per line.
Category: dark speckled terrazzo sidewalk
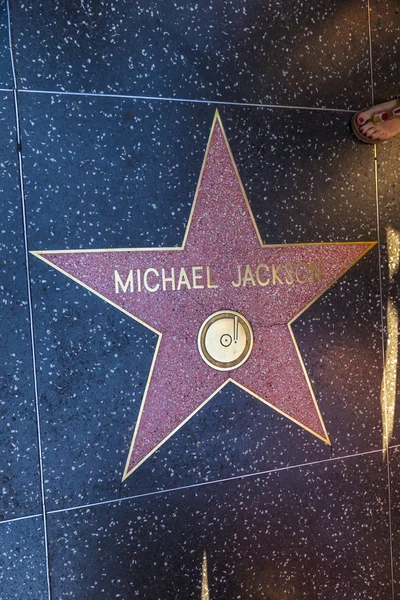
285,487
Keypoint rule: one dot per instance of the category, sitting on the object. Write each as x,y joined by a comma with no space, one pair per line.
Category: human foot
379,123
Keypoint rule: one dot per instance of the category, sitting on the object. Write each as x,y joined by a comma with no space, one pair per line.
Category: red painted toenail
384,116
360,120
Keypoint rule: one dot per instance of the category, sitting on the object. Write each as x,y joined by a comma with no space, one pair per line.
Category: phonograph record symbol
222,305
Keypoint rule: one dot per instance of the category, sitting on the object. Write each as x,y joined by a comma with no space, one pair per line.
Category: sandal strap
388,114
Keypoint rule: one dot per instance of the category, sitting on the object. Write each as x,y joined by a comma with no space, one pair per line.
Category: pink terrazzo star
222,265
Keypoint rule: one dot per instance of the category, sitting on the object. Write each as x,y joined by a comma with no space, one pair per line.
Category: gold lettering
248,276
275,271
316,272
124,286
209,284
259,281
239,281
146,284
289,279
302,265
183,279
195,277
168,279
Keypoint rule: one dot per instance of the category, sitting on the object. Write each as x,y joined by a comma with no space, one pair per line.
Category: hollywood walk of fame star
222,267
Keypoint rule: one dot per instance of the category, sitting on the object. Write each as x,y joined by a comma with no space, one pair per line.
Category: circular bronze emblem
225,340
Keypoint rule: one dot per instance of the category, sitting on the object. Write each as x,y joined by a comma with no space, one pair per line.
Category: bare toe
363,117
367,129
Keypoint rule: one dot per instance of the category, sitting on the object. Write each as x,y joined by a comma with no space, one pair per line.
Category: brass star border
76,264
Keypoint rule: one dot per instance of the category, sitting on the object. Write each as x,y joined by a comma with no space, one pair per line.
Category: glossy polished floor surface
199,301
